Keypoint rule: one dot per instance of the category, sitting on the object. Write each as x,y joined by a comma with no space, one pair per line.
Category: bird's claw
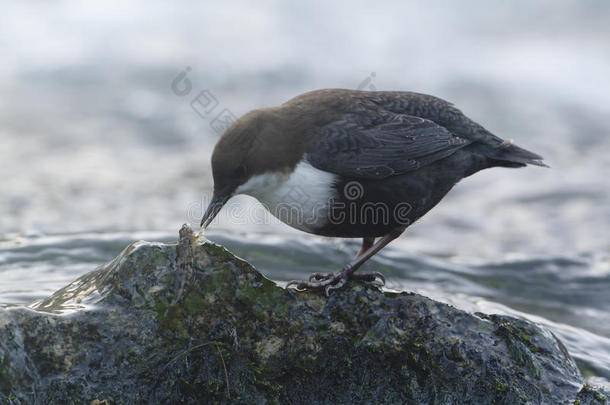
336,286
333,281
312,284
380,276
320,276
298,285
377,275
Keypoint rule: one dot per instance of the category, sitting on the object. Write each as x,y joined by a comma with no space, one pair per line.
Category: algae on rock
191,323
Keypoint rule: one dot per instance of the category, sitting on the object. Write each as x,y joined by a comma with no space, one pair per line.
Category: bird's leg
367,243
333,281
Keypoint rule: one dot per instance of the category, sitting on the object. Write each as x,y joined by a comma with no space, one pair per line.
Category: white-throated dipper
353,164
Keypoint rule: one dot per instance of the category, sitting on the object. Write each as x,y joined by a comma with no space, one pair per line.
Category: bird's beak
218,201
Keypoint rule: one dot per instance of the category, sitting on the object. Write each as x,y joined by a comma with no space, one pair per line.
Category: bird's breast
301,198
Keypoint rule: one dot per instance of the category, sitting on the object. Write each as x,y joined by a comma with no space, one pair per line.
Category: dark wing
389,144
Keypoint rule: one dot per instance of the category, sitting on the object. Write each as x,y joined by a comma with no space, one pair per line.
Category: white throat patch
299,199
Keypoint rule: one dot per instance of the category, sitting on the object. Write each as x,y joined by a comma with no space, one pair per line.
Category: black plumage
391,145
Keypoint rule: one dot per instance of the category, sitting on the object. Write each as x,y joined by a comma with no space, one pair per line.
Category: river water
97,149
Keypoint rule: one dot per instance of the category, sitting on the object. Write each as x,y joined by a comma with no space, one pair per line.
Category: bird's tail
509,155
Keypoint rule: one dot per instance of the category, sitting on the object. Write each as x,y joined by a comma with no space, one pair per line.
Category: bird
353,164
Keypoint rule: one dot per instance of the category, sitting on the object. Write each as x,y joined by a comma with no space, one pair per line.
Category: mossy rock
191,323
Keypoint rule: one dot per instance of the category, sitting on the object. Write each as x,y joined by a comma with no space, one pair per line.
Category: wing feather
389,144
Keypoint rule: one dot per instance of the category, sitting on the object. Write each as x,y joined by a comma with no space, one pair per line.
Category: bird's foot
333,281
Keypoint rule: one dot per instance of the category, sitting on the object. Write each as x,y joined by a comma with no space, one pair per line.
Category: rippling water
97,151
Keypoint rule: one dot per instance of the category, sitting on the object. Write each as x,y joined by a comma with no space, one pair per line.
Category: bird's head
260,142
237,157
230,168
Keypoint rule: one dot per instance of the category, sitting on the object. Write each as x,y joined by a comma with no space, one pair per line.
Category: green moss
218,279
501,387
158,256
218,252
519,344
172,319
455,352
194,303
588,389
5,374
160,307
263,295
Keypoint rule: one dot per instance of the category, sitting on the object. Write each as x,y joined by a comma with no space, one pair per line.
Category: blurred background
102,141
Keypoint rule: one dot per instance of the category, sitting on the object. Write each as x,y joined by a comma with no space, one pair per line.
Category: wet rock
191,323
592,396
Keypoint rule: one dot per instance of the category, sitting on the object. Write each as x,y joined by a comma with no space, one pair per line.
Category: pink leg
367,243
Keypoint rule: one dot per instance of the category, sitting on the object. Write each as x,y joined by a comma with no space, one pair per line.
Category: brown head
261,141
